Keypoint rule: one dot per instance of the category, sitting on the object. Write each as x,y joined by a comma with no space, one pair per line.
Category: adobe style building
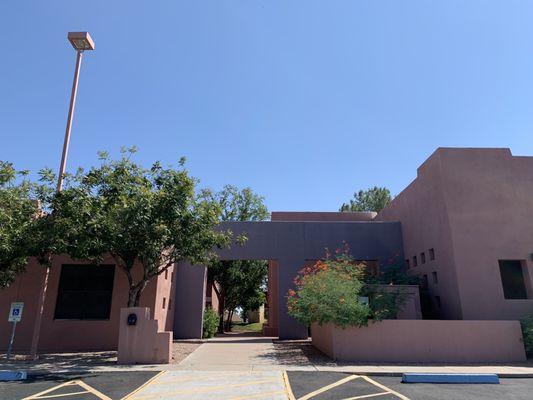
464,225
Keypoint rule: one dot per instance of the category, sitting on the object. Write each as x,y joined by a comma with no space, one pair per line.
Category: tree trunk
134,296
221,304
228,321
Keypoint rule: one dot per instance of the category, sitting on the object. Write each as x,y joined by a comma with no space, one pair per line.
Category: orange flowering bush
331,290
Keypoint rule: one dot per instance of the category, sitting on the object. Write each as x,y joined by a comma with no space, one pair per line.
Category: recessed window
512,275
164,302
415,262
423,257
407,263
85,292
435,277
431,254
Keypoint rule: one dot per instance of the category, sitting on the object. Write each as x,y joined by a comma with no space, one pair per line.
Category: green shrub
527,333
210,323
332,290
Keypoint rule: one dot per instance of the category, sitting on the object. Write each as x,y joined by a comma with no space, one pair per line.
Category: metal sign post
15,315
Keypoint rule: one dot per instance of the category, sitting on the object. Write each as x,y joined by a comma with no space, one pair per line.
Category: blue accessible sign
15,313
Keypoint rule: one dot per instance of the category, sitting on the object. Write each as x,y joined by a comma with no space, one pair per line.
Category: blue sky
304,101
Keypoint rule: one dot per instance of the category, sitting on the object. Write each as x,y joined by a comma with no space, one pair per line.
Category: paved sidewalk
196,385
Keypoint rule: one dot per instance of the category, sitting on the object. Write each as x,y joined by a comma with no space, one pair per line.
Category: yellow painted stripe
257,395
93,391
37,395
379,385
147,383
366,396
61,395
288,388
205,389
328,387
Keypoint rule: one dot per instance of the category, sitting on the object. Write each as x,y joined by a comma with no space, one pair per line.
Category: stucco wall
423,341
63,335
474,207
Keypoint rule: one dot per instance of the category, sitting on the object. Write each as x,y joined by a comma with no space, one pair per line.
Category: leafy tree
238,283
143,218
373,199
17,214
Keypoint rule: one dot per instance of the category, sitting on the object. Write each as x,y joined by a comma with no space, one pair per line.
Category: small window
435,278
407,263
423,258
415,262
85,292
437,300
512,276
164,302
425,281
166,274
431,254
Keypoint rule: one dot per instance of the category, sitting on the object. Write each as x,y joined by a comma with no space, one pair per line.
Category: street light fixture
81,41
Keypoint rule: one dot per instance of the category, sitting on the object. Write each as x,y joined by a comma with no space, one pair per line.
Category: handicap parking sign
15,313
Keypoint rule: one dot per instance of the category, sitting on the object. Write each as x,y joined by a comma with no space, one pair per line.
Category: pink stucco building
463,225
467,229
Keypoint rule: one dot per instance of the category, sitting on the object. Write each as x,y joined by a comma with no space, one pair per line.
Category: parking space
337,385
81,386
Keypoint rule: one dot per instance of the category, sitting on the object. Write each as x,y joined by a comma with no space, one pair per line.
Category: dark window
513,283
407,263
435,277
415,262
425,281
164,302
423,258
85,292
431,254
166,274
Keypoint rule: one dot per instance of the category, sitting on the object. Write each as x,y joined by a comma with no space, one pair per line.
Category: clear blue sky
304,101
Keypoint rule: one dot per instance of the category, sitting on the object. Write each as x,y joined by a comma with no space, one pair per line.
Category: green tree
238,283
143,218
373,199
18,210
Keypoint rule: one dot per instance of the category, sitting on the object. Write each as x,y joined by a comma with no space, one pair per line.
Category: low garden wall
423,341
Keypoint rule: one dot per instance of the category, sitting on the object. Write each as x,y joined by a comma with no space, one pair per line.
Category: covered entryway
288,243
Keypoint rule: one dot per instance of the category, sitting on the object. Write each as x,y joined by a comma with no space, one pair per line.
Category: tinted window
512,279
85,292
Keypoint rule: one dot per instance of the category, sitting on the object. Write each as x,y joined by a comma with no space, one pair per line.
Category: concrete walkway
233,353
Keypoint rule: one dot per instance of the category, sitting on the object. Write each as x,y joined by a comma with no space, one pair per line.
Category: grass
242,327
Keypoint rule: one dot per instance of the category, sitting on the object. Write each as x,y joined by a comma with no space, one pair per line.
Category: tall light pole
81,41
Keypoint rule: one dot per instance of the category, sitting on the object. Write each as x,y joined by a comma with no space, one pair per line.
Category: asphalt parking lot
302,385
76,386
338,385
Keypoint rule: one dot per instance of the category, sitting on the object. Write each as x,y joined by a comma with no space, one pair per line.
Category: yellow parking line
38,395
62,395
255,396
147,383
98,394
367,396
288,388
331,386
205,389
379,385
